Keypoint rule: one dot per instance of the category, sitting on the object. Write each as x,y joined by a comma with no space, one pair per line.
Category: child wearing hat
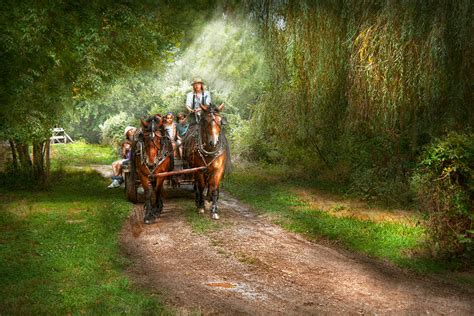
126,150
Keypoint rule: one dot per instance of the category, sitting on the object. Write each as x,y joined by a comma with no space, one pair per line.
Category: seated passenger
182,128
126,151
170,129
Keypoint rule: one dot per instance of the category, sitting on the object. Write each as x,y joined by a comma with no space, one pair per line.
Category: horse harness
163,152
203,153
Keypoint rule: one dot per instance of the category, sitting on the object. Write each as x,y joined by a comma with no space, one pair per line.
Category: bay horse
205,145
153,153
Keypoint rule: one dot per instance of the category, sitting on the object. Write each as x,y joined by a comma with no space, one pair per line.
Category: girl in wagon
170,128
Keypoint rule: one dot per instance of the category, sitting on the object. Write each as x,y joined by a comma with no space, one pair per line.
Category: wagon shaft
183,171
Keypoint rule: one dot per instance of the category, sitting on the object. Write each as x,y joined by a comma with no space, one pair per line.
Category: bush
444,186
248,141
112,129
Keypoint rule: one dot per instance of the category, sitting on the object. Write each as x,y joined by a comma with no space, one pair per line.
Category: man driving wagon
195,98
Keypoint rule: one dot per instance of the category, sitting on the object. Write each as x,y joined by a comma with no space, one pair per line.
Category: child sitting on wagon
126,149
182,128
171,129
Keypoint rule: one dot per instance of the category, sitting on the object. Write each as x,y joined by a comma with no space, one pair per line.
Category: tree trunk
38,160
24,156
41,161
14,155
39,166
48,158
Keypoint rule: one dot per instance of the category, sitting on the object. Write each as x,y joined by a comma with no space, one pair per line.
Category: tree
60,53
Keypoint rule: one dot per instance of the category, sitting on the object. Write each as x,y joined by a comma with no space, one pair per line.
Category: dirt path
247,265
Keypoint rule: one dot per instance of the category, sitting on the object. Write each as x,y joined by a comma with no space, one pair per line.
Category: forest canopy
60,55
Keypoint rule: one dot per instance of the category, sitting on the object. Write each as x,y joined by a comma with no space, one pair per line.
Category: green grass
400,244
82,154
199,223
59,250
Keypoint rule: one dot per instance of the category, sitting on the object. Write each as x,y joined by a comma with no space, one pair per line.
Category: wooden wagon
180,176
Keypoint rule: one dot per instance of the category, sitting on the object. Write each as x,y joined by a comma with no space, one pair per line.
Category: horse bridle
162,154
220,146
212,112
153,132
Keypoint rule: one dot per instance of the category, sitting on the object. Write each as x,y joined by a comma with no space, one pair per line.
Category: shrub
444,186
112,129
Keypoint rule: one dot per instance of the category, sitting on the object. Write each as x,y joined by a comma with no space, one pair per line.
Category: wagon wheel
130,187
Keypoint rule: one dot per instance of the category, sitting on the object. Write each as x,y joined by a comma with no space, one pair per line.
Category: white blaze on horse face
214,134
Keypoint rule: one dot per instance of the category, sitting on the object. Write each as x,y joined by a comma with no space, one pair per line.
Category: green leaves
444,186
57,52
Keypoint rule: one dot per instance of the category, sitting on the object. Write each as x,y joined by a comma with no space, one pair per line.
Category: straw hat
197,80
128,129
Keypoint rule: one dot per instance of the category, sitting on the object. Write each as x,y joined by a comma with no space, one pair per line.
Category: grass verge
269,191
199,224
81,154
59,250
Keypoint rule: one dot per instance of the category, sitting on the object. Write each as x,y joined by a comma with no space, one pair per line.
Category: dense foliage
59,55
364,85
445,184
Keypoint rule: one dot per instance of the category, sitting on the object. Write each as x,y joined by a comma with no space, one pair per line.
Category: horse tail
228,161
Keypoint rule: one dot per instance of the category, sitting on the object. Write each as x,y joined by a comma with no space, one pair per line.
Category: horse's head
151,129
212,123
154,123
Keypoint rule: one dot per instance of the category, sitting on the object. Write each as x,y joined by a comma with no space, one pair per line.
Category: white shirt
197,99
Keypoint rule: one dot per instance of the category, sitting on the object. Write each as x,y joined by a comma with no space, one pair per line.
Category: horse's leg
214,209
214,181
200,183
159,199
147,207
208,199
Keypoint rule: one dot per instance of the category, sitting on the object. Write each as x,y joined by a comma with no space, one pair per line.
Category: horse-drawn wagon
181,176
155,164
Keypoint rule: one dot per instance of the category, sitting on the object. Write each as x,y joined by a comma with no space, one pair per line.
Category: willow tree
368,82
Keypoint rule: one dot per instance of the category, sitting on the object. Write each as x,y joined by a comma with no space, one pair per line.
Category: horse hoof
149,220
201,210
215,216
